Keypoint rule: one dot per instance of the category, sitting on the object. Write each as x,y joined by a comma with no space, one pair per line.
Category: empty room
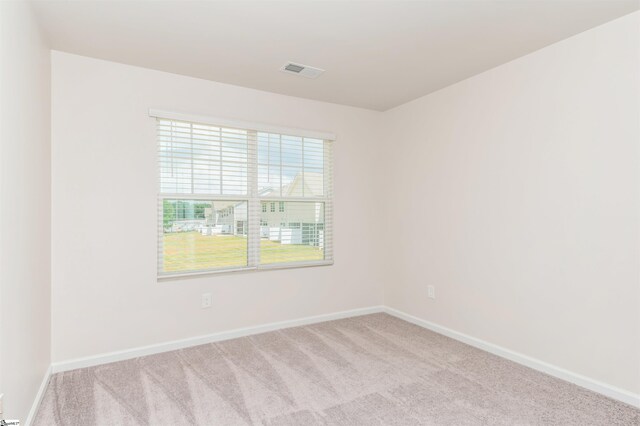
304,213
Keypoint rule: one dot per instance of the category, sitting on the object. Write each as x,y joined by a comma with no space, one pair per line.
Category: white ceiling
377,55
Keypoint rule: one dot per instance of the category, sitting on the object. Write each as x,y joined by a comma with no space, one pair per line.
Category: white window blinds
203,159
241,198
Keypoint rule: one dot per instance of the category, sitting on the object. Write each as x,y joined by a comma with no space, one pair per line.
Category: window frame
254,201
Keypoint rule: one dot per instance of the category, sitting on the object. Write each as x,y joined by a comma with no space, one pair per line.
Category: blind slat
241,198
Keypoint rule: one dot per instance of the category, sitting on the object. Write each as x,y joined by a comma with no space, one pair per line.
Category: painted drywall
515,193
377,54
105,295
25,217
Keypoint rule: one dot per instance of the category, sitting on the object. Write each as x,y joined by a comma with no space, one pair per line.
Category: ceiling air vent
301,70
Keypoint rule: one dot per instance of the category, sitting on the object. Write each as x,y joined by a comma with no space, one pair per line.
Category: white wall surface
516,193
25,329
522,185
104,187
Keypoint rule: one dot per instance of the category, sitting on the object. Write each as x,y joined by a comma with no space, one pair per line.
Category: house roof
307,184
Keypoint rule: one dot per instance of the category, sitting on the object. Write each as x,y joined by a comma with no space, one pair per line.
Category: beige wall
25,215
104,184
523,188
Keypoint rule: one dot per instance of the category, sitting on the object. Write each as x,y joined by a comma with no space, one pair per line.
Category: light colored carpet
368,370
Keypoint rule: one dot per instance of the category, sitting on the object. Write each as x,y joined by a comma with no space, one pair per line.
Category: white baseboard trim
560,373
38,399
580,380
90,361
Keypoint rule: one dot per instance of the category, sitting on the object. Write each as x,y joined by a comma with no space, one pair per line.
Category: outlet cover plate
206,300
431,292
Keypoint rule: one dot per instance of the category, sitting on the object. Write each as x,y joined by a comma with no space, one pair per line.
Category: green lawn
189,251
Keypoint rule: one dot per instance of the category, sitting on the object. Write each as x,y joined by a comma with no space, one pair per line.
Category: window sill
271,267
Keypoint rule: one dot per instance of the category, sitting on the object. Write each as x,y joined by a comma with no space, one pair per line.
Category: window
214,186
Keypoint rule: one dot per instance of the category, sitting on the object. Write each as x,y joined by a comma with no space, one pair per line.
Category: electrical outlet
431,292
206,300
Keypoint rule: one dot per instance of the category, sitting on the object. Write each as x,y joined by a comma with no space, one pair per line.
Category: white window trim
254,202
248,269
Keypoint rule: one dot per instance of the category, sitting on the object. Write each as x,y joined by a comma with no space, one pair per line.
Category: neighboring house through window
215,184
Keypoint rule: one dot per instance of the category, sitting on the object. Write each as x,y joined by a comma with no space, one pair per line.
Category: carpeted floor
368,370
